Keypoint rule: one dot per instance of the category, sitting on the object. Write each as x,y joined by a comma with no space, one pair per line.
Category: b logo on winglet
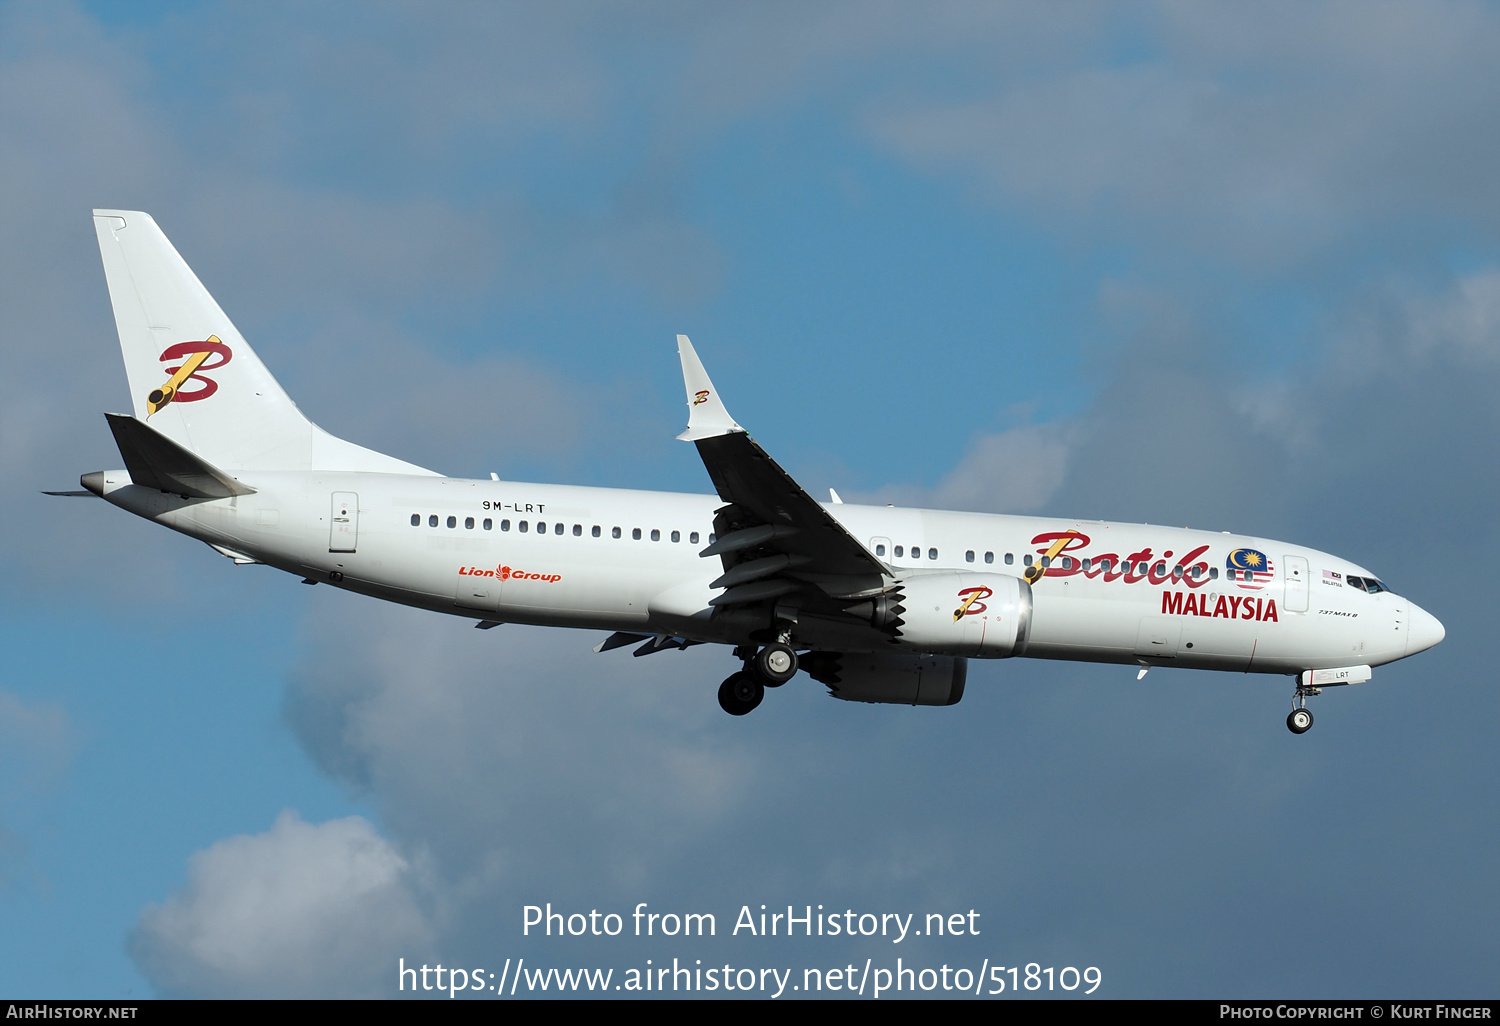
700,397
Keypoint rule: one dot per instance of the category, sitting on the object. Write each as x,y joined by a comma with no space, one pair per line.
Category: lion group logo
199,358
507,573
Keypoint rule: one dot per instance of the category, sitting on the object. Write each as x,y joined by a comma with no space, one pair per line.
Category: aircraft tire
775,664
740,693
1300,721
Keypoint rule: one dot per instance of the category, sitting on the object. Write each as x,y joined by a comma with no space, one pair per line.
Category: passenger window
711,538
557,528
655,534
416,520
577,530
523,527
453,521
693,538
636,533
677,536
489,525
1067,562
1009,558
468,523
1027,560
614,532
505,525
432,521
989,557
1161,568
932,553
900,551
1213,573
1125,567
880,550
1046,561
596,532
1088,564
969,556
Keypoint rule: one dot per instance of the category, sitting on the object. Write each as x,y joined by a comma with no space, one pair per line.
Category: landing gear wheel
775,664
740,693
1300,721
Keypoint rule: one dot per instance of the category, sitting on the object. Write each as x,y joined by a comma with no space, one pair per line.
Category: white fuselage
624,560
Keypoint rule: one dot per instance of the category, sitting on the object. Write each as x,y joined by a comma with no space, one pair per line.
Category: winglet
707,417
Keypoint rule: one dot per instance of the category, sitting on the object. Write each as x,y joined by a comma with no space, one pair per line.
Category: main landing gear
775,664
740,693
770,667
1300,720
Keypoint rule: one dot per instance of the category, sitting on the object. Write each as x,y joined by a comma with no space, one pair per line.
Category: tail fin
192,374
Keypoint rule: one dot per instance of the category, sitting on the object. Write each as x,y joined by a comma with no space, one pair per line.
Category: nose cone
1423,631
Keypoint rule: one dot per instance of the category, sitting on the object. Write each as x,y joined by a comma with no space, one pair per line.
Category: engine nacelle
963,614
889,678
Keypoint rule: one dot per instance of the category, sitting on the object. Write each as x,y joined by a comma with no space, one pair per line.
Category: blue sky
1232,267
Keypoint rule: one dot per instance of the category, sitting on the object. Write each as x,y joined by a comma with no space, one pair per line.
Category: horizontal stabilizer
155,461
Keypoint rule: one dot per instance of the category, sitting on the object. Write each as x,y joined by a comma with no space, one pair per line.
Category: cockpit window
1369,584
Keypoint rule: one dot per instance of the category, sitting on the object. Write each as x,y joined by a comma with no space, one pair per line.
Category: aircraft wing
774,539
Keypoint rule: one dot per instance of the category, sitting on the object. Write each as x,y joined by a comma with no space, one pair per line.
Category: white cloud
484,745
37,744
1014,471
1261,136
303,910
1466,319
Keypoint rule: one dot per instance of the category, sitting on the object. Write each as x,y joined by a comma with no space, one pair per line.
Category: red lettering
1044,541
1187,570
1171,602
1138,565
1271,612
1191,605
1248,612
1222,610
1234,605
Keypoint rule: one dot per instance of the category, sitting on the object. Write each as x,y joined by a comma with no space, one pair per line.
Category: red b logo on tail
199,355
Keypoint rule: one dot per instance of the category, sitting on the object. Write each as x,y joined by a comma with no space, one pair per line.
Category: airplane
879,604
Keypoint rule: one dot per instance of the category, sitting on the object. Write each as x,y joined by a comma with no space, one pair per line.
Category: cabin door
343,524
1296,584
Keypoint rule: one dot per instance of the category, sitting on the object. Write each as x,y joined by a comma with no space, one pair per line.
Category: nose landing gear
1300,720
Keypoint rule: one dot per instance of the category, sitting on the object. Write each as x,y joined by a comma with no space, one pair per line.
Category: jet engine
956,613
889,678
